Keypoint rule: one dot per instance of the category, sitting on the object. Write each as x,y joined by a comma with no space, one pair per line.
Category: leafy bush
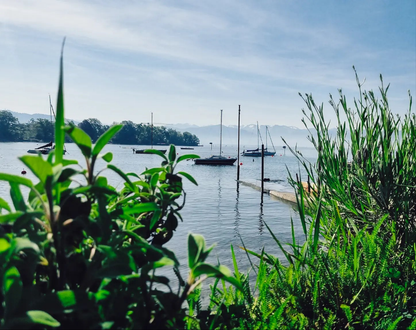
84,255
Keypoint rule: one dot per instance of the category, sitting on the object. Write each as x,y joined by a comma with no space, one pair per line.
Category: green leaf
123,175
12,288
67,162
24,244
81,139
220,271
151,171
5,218
155,218
157,152
67,173
61,301
187,156
189,177
105,138
17,197
165,261
141,208
30,318
208,270
154,180
196,246
172,153
40,167
108,157
16,179
60,115
5,251
4,205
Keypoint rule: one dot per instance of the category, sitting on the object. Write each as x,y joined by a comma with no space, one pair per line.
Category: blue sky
186,60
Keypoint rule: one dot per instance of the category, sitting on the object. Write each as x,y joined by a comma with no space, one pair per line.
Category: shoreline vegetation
85,255
42,130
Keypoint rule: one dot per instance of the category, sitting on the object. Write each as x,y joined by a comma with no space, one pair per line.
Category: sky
184,61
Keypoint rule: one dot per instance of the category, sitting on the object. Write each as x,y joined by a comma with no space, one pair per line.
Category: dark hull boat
47,148
215,160
257,152
143,151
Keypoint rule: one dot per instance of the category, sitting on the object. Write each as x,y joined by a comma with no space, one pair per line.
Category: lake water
225,212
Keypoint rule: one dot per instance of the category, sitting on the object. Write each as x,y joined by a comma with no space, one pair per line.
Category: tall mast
266,136
258,134
51,112
221,135
151,131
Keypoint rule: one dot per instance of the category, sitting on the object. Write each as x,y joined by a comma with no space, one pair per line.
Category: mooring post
262,173
238,147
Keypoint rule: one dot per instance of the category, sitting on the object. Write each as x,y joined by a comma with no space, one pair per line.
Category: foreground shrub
80,254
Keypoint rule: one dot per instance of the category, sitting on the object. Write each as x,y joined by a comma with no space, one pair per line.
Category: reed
356,267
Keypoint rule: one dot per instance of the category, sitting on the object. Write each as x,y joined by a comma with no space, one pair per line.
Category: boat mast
258,134
221,135
270,138
51,112
151,131
266,137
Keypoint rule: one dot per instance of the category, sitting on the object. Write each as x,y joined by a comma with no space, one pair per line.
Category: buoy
23,172
241,164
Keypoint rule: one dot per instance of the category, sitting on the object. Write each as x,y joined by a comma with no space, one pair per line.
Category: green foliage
357,266
137,134
80,254
8,126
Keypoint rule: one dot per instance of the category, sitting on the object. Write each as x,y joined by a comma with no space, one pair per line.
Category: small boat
187,148
216,159
44,150
47,148
143,151
257,152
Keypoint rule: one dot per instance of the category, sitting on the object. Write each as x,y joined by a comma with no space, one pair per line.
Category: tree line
42,130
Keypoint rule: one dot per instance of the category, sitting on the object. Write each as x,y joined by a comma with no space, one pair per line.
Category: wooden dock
268,189
283,196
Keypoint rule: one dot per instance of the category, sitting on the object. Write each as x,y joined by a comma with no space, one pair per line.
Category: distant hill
206,134
248,135
25,117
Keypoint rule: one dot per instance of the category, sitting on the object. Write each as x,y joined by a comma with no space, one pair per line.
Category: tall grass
356,268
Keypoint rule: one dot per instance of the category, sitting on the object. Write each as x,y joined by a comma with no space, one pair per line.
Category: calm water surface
225,212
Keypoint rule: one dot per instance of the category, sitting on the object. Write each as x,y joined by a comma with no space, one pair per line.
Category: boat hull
143,151
257,153
45,151
215,161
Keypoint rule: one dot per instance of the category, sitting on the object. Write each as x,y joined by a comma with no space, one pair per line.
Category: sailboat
46,148
216,159
257,152
143,151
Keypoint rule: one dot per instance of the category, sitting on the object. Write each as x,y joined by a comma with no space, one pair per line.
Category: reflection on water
261,223
237,212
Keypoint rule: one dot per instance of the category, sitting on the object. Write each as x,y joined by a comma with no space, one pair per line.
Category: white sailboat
216,159
46,148
257,152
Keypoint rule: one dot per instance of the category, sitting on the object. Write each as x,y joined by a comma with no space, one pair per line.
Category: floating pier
269,189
